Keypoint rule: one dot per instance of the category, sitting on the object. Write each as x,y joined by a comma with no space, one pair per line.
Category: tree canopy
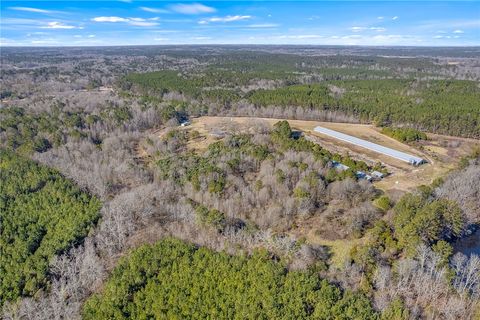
443,106
176,280
41,215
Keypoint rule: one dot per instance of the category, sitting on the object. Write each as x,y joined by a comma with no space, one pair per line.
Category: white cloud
474,23
393,38
166,31
59,25
458,31
139,22
109,19
178,20
6,42
357,29
194,8
77,36
42,41
91,36
35,10
352,36
395,18
301,36
452,24
45,41
153,10
17,21
201,38
263,25
438,37
360,29
225,19
38,33
161,39
380,18
229,18
366,39
142,23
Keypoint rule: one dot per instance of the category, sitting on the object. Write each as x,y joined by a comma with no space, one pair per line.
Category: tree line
442,106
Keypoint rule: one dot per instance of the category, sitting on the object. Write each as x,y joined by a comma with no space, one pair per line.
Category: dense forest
450,107
42,214
441,106
155,282
116,203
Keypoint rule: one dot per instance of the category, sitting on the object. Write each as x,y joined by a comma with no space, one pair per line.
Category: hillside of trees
42,214
155,282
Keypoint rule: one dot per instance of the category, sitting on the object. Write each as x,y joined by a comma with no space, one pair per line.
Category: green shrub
211,217
404,134
383,203
396,311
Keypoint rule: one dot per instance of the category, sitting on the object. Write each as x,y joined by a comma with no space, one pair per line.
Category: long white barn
371,146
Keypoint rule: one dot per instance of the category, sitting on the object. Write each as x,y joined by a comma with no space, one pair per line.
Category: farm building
340,166
371,146
363,175
359,174
377,175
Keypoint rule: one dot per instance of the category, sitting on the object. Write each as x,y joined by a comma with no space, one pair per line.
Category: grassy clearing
340,249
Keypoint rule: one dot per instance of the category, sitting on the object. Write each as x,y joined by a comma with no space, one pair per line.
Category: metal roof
377,174
371,146
340,166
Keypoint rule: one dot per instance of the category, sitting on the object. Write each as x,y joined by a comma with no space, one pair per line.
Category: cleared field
441,152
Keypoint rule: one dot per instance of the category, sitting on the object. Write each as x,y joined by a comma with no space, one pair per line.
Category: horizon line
242,44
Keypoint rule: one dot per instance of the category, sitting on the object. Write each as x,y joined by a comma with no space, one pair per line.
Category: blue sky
131,22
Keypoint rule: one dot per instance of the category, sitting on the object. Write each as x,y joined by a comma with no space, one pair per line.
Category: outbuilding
340,166
413,160
377,174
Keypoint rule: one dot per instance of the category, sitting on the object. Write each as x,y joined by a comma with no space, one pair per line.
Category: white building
371,146
377,174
